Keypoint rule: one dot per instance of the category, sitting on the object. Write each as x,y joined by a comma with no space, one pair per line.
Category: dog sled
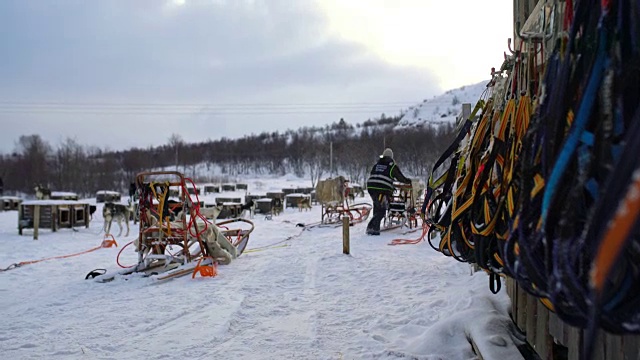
175,239
333,195
402,207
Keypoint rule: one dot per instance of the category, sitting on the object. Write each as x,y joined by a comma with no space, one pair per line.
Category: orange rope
425,230
106,243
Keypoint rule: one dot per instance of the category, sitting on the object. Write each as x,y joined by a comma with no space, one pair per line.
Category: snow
292,295
54,202
444,108
62,193
107,192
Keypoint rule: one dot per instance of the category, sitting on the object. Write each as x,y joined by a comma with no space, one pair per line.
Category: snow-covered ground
301,298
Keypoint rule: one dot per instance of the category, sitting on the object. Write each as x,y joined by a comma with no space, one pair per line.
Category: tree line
311,152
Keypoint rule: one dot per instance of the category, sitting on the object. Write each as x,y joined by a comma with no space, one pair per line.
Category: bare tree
176,142
34,155
317,161
70,167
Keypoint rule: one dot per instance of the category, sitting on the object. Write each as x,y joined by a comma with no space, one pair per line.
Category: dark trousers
380,201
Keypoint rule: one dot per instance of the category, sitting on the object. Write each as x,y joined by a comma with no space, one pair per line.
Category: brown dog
304,203
277,206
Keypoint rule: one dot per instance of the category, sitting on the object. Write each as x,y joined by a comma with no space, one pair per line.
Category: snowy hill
443,109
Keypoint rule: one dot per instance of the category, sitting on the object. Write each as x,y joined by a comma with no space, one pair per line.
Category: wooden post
20,217
345,235
36,221
55,216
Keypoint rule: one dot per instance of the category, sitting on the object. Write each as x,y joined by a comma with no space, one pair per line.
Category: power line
142,109
181,113
202,105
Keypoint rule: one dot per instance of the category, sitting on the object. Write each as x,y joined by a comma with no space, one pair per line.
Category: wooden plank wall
543,328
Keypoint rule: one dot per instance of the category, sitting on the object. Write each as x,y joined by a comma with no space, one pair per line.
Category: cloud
173,52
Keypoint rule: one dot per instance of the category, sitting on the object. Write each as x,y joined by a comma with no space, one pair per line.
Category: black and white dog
117,212
42,192
249,207
92,210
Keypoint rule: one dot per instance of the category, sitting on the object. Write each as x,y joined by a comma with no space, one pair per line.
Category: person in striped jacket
380,187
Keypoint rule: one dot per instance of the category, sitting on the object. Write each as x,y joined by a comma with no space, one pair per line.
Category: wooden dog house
263,205
276,195
304,190
210,188
191,190
52,214
288,191
231,207
222,200
108,196
228,187
9,203
253,197
63,195
292,200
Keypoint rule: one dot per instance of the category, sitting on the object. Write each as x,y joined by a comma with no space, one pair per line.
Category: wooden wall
553,339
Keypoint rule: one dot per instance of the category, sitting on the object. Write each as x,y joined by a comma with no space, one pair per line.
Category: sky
292,294
208,69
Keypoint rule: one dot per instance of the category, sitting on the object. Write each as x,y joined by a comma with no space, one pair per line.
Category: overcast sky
118,74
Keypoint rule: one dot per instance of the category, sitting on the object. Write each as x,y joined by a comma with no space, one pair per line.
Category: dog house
190,190
108,196
52,214
231,207
230,210
228,187
222,200
288,191
263,205
63,195
304,190
242,187
210,188
9,203
292,200
276,195
253,197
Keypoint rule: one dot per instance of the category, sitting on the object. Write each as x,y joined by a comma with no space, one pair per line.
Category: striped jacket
382,175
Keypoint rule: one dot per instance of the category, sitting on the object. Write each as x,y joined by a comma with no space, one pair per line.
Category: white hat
387,152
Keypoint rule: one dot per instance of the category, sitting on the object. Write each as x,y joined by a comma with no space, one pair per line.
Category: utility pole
331,159
176,157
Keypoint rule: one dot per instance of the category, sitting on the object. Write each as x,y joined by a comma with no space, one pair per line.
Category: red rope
120,252
425,230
